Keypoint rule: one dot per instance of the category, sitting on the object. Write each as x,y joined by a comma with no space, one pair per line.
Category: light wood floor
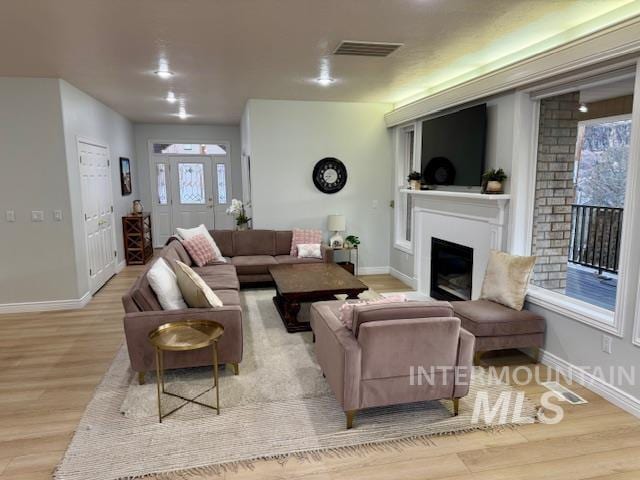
53,361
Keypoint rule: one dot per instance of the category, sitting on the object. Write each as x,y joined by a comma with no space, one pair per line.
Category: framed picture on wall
125,176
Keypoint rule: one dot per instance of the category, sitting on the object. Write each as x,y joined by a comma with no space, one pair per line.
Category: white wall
287,138
85,117
196,133
36,259
498,154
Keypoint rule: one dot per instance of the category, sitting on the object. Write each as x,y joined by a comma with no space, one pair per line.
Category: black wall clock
330,175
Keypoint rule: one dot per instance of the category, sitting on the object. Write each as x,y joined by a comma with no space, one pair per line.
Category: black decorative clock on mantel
330,175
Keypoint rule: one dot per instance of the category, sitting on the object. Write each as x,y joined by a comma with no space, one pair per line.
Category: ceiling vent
366,49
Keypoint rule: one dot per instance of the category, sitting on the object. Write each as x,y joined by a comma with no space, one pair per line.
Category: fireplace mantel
453,195
474,220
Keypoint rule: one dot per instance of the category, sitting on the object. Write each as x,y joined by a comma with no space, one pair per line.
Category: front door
190,185
97,204
191,191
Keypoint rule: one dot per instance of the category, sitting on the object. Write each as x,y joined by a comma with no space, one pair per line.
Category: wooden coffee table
309,283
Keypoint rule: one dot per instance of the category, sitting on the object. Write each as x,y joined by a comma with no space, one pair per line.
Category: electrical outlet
374,204
37,216
10,215
606,344
57,215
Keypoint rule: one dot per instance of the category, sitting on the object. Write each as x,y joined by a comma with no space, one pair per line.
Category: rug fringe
319,454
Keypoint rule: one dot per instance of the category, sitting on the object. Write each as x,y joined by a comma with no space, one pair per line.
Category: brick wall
558,130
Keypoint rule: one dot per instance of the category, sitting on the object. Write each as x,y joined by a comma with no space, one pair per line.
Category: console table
138,243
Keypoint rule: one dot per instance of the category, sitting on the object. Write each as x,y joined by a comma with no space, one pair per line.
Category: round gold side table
179,337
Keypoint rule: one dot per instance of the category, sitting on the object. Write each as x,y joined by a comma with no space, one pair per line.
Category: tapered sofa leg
351,414
456,406
477,358
535,354
141,378
236,368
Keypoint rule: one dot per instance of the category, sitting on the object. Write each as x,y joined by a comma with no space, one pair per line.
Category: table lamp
336,224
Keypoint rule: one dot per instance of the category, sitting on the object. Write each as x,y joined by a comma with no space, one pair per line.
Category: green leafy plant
494,175
352,240
417,176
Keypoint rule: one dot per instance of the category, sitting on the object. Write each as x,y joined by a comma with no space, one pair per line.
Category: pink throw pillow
304,236
346,310
199,249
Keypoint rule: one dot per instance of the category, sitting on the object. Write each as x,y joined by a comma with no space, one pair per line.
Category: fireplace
451,270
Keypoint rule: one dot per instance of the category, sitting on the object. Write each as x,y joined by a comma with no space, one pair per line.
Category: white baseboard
373,270
120,266
404,278
47,306
609,392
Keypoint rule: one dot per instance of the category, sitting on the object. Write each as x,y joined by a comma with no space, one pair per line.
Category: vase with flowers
237,210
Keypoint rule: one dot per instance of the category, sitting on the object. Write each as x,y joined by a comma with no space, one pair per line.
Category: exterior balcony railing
595,237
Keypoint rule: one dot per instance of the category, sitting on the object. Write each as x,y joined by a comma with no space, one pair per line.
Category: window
161,179
189,149
404,203
221,172
581,176
191,183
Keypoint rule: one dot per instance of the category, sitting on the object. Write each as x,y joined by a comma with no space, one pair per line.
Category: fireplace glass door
451,270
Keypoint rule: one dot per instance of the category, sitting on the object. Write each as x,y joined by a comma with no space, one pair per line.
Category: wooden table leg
288,311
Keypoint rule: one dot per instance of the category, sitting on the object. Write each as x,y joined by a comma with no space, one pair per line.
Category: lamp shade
336,223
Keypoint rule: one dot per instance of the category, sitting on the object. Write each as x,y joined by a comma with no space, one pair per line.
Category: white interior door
192,199
97,203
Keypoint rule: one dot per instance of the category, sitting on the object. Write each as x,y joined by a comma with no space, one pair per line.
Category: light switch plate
10,215
57,215
606,344
37,216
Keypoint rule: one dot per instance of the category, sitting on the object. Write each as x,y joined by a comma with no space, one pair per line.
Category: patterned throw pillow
187,233
199,250
346,310
304,236
309,250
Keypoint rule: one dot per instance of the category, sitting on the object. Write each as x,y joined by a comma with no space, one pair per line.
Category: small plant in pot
414,180
351,241
492,181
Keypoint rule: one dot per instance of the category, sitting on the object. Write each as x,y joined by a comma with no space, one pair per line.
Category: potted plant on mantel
492,181
414,180
237,209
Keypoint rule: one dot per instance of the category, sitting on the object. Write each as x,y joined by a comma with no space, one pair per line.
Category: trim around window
584,312
402,169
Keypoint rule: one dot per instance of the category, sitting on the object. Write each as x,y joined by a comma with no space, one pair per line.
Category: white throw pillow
165,285
309,250
187,233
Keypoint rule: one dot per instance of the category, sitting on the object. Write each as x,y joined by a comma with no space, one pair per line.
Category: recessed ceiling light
164,73
171,97
583,108
325,81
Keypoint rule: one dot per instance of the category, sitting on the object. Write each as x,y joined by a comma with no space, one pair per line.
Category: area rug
279,407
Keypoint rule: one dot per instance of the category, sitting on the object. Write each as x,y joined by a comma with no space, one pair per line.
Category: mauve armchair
391,345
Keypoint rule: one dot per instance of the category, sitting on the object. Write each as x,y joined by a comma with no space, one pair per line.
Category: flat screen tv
453,147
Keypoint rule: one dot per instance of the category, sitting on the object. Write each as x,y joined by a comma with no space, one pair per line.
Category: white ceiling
226,51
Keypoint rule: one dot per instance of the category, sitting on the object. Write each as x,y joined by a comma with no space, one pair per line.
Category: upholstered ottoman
497,327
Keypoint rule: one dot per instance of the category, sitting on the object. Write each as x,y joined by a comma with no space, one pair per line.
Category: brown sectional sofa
249,255
252,252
